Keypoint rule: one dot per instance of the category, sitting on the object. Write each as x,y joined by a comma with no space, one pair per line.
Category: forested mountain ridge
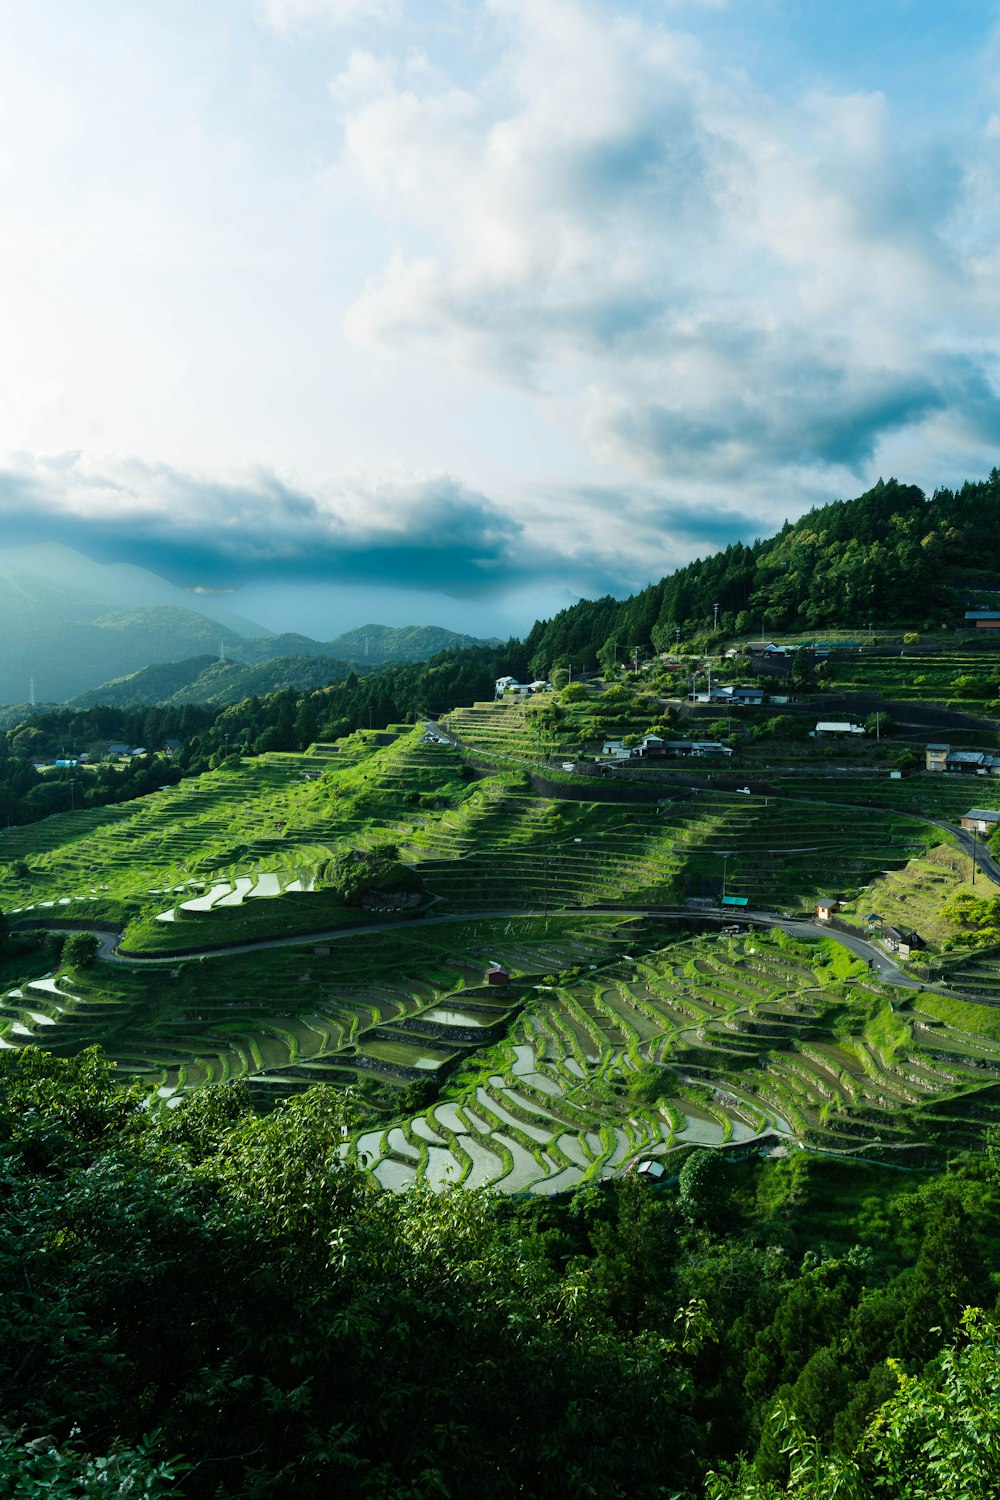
373,645
891,556
211,680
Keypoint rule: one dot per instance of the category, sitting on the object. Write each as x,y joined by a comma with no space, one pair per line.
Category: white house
837,726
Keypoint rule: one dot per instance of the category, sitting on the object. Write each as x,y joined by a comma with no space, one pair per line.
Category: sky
455,312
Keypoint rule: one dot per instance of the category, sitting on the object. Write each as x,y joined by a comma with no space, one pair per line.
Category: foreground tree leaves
936,1438
228,1283
210,1283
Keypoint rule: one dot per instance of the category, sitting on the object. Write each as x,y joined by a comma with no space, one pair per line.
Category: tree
79,950
702,1190
139,1245
41,1469
937,1436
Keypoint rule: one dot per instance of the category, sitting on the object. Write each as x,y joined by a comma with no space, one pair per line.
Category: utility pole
725,867
31,691
635,660
973,856
715,620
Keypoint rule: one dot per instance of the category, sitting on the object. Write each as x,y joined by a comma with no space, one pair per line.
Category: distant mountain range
206,679
73,629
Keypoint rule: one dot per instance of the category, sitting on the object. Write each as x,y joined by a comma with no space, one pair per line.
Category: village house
967,762
902,940
653,746
744,697
983,619
826,906
741,697
511,685
981,820
837,727
497,974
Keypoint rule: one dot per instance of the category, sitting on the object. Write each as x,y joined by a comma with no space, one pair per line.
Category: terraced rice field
518,849
291,1016
480,846
966,673
927,794
732,1042
601,1053
284,813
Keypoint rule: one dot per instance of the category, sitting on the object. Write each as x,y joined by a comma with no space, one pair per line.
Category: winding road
883,968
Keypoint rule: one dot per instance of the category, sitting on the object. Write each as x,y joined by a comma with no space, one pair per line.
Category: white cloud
287,16
597,283
708,278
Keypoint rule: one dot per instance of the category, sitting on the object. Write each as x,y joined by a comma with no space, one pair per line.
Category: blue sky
455,312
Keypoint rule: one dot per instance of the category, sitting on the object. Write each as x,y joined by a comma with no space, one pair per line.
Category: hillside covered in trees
890,557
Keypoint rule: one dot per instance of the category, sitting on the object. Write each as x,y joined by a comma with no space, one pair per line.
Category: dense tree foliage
206,1302
937,1435
224,1282
889,557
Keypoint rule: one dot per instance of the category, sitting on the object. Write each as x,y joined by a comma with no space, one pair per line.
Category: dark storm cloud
435,534
784,415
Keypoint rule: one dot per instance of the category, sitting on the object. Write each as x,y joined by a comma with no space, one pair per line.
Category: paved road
109,942
883,968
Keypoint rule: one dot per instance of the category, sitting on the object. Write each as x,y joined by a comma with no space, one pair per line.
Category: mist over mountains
71,626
